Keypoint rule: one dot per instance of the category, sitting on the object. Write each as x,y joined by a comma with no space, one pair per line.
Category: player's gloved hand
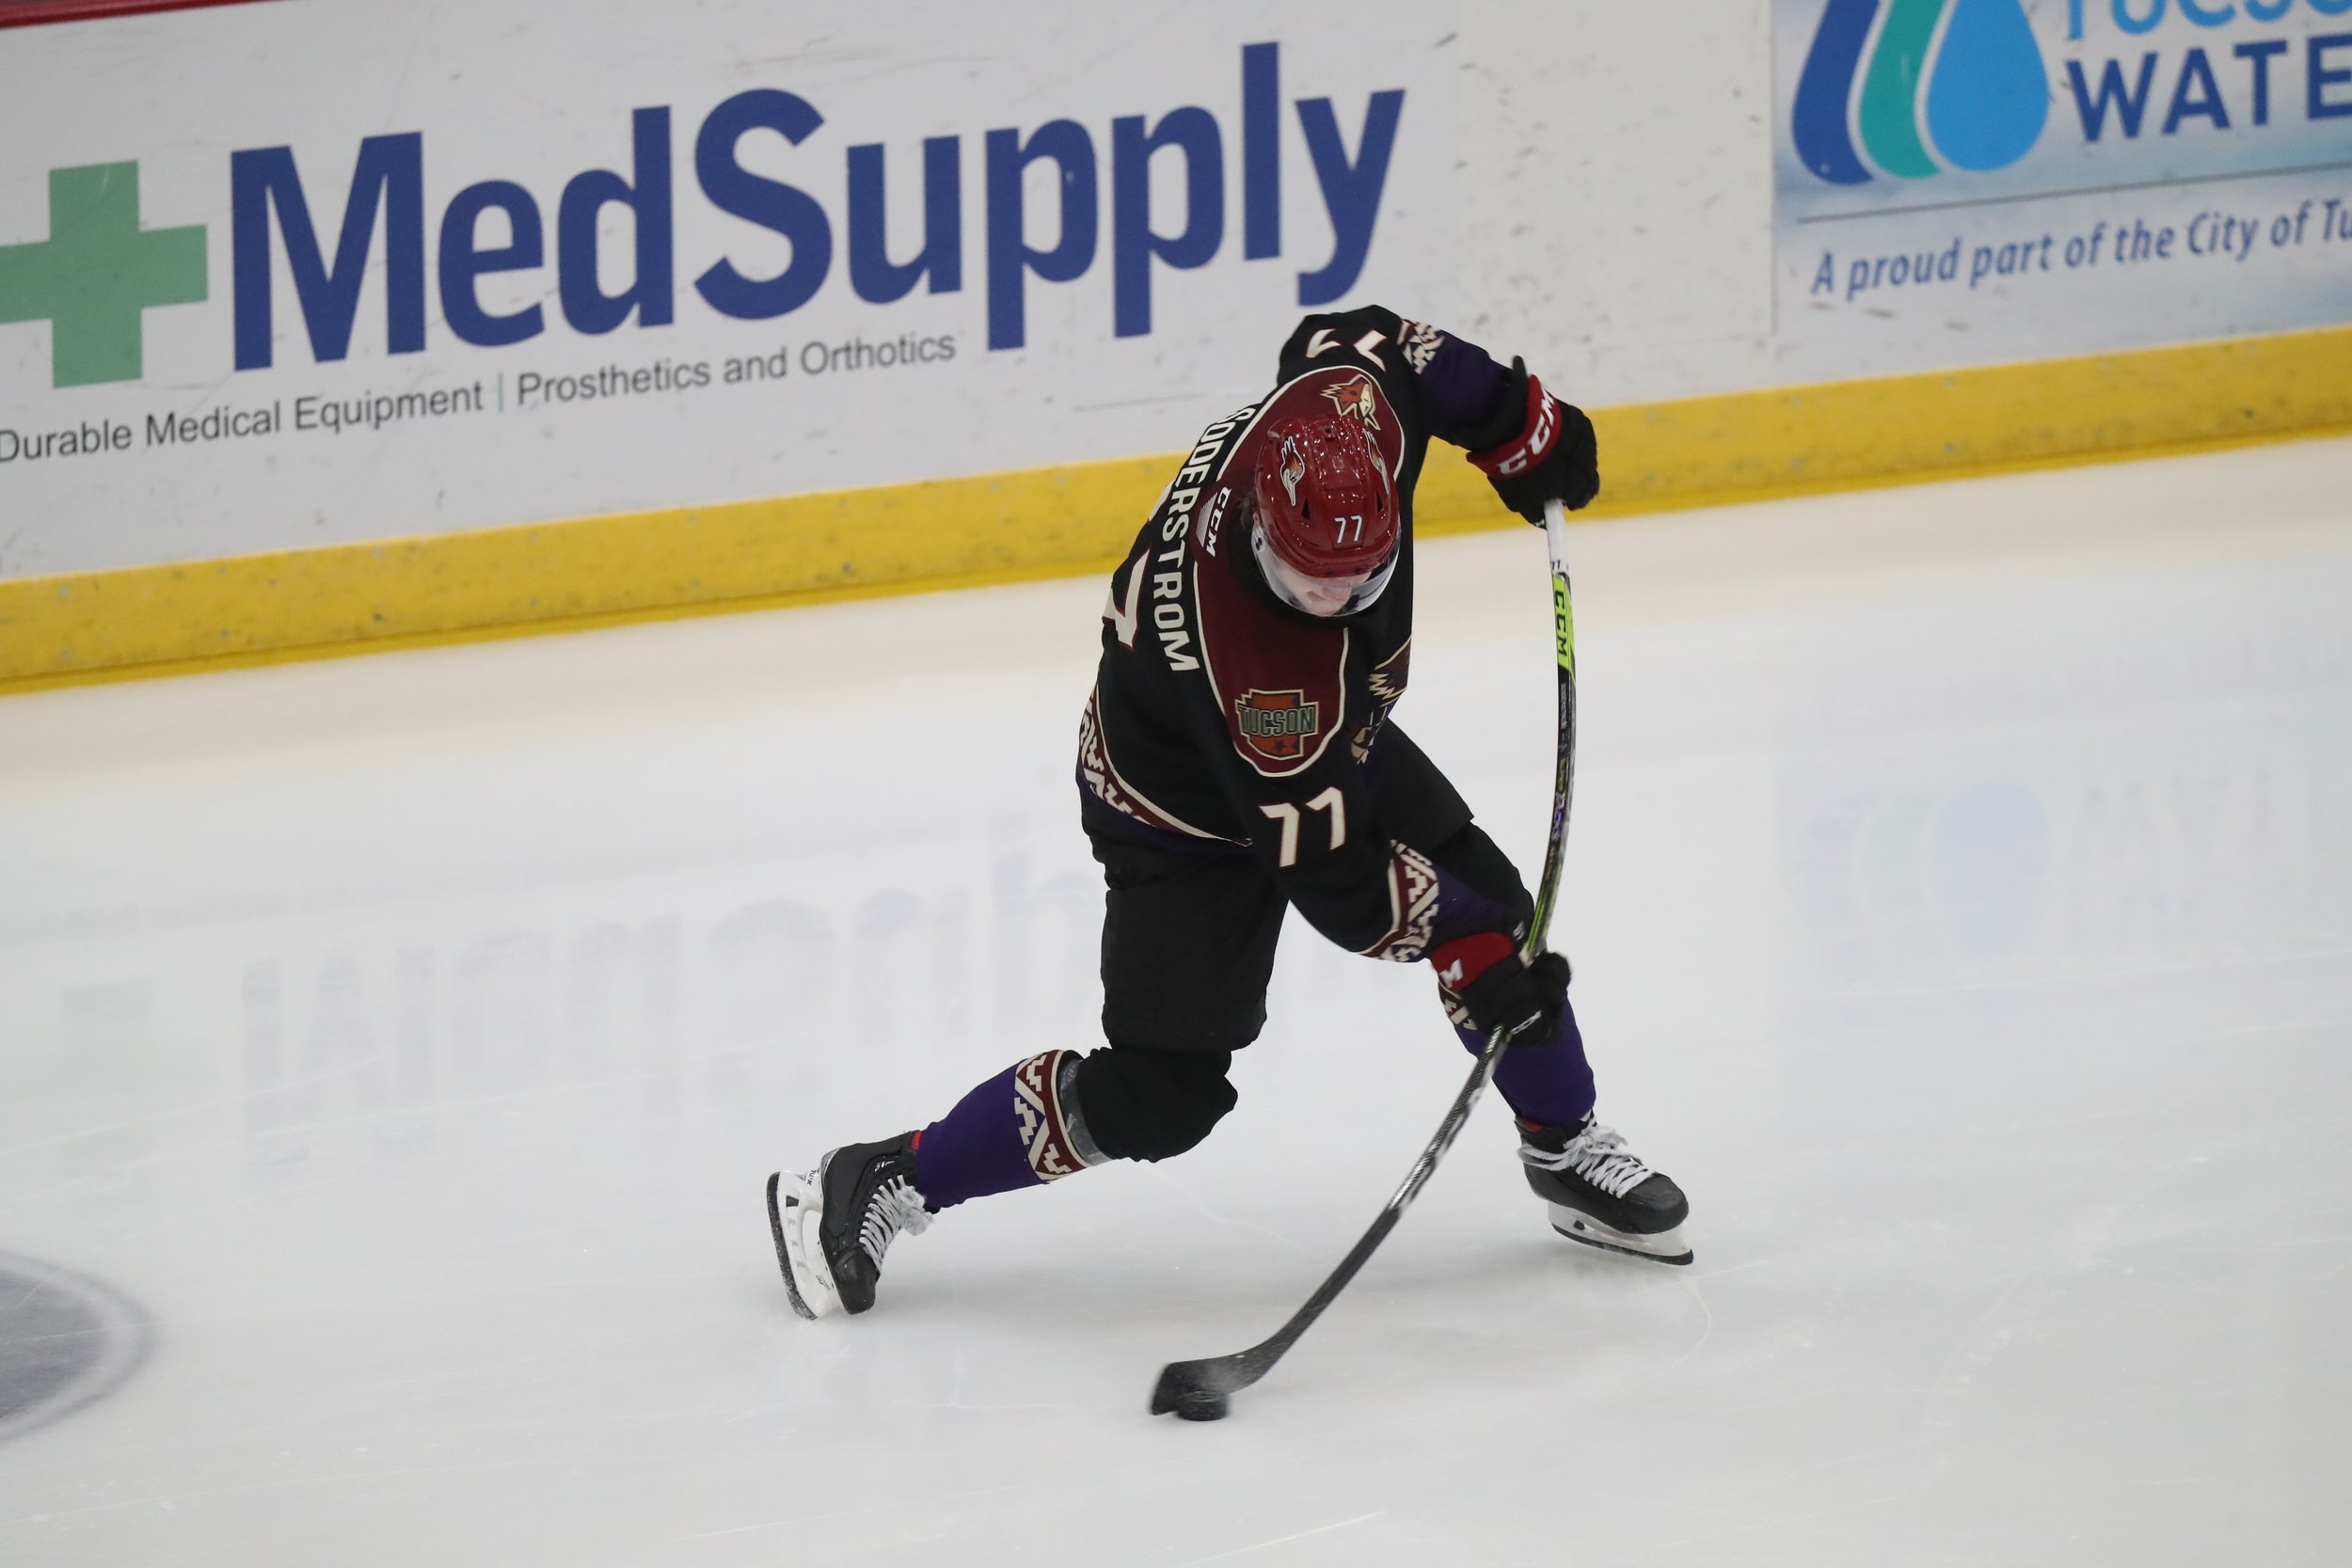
1485,976
1548,451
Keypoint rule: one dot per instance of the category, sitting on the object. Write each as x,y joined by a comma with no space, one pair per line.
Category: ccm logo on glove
1552,457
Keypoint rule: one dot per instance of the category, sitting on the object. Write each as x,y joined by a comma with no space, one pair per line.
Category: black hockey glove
1544,451
1508,992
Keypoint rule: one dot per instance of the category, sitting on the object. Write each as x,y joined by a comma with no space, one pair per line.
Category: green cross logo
95,274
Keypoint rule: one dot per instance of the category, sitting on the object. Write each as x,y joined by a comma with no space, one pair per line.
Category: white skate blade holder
795,1211
1665,1246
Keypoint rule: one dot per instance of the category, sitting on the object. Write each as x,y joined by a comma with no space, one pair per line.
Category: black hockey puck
1201,1404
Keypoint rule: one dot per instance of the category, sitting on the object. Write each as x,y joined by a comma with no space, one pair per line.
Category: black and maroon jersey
1224,720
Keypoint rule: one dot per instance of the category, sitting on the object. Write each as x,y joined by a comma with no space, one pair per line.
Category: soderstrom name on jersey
1165,566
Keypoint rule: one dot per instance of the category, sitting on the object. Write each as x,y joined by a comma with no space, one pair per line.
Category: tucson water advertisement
1969,180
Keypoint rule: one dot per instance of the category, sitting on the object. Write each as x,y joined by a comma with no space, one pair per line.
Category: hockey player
1237,758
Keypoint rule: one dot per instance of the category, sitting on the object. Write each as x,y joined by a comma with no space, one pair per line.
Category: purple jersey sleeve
1461,387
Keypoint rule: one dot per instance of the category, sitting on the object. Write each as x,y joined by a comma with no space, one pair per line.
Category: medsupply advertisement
283,276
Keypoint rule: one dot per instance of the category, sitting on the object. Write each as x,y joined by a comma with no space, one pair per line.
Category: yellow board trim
1080,517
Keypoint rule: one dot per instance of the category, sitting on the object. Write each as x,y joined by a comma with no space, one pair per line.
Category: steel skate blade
1667,1247
793,1205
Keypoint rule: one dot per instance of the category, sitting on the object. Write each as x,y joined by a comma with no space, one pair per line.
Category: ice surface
1961,896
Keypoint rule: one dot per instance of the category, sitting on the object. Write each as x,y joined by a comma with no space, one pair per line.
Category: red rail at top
32,13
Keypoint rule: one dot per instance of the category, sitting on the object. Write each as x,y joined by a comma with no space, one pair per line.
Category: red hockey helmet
1327,529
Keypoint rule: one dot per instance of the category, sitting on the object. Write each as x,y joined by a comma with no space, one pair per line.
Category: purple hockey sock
1011,1131
1551,1084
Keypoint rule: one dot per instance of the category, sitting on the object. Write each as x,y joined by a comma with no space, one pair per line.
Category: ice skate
834,1224
1601,1193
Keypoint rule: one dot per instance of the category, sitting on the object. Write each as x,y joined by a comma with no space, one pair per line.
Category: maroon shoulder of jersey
1280,682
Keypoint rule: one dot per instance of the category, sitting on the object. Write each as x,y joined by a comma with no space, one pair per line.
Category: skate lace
896,1207
1598,1155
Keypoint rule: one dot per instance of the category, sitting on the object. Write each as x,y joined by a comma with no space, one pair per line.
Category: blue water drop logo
1990,96
1982,100
1824,87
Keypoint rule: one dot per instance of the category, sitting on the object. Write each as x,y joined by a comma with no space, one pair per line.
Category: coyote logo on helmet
1292,468
1356,400
1277,724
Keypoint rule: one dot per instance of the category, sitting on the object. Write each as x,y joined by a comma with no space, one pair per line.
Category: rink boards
327,329
1056,521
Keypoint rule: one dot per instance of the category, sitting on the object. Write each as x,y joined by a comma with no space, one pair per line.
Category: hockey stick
1202,1391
